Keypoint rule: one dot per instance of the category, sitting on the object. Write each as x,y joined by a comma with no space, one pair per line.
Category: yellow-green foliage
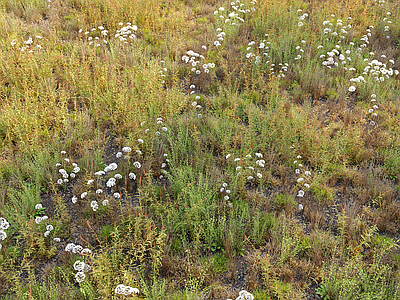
269,171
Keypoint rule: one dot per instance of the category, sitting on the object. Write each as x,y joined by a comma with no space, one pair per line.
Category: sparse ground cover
158,149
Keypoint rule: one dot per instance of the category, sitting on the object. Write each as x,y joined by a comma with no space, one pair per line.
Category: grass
267,160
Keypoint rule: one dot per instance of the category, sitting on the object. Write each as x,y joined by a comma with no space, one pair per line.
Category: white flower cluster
126,32
379,70
3,226
259,163
303,178
388,22
301,18
49,228
67,165
335,57
81,267
110,167
379,2
237,13
244,295
159,122
195,104
226,192
94,205
194,59
38,220
126,290
96,36
372,111
28,45
335,31
71,247
163,166
263,49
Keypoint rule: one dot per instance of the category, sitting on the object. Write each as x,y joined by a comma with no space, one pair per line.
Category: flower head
3,235
80,276
79,265
352,88
4,224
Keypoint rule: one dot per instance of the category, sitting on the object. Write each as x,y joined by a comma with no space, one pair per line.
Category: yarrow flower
125,290
352,88
4,224
244,295
111,182
3,235
94,205
79,265
80,276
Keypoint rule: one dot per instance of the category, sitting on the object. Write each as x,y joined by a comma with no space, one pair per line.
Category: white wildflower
77,249
79,265
3,235
80,276
69,247
352,88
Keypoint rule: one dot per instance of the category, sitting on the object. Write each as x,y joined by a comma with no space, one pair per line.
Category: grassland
194,149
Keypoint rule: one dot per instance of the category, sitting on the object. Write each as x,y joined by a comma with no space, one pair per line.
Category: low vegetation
158,149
